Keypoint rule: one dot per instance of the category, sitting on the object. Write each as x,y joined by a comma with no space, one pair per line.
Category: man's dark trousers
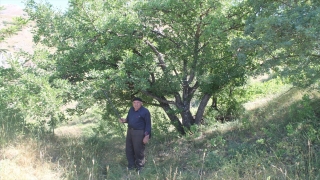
135,148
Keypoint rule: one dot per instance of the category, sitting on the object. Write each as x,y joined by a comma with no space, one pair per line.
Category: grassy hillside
278,140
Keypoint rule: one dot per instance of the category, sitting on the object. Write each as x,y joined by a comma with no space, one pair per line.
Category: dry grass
72,131
24,161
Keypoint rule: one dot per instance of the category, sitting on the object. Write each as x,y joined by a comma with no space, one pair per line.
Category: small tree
26,95
27,92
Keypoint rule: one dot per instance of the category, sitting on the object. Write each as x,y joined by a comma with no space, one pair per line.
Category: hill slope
20,41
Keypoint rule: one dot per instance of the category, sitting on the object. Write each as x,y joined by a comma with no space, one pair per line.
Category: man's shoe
139,170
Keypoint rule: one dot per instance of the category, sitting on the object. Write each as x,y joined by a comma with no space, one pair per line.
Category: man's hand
146,139
122,120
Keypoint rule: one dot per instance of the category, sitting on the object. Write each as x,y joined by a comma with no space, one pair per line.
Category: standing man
138,134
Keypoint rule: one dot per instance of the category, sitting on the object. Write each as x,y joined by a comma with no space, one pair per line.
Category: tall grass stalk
201,170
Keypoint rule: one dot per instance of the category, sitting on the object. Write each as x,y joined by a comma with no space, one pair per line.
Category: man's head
136,103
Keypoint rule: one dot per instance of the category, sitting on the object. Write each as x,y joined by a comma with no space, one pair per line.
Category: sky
61,4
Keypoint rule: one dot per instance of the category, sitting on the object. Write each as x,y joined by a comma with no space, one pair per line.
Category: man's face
136,105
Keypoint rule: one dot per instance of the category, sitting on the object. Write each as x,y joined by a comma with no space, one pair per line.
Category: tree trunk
173,118
183,104
187,118
201,108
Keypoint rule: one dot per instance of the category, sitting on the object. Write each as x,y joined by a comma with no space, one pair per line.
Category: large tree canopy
177,54
171,53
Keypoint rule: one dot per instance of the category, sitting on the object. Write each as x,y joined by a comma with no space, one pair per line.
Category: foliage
282,36
28,99
171,53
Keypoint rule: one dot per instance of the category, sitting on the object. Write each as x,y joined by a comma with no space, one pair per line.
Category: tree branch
315,55
159,55
135,51
195,52
193,89
201,108
159,99
162,35
153,79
